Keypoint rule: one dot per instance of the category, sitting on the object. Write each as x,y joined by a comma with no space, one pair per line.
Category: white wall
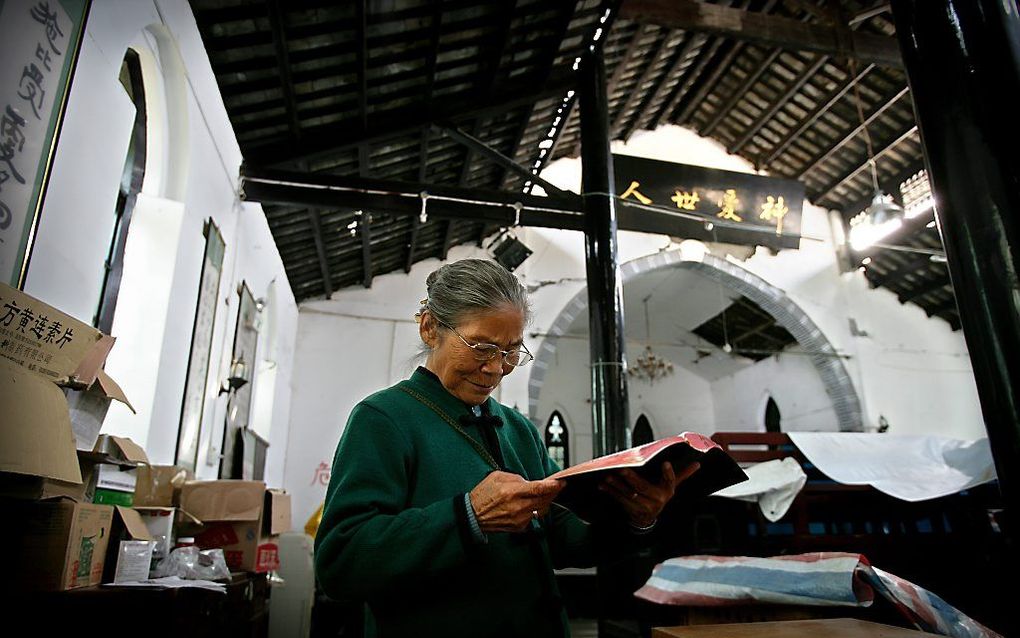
791,381
191,176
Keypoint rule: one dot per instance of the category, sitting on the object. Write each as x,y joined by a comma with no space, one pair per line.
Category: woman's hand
642,500
505,502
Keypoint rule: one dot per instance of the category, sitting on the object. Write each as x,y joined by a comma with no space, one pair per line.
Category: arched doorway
787,313
772,416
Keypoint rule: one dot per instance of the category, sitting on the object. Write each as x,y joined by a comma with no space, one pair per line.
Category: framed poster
201,345
38,51
246,338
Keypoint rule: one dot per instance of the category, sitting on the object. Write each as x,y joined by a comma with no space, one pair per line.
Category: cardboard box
278,508
119,455
128,526
42,349
54,545
242,518
159,485
224,500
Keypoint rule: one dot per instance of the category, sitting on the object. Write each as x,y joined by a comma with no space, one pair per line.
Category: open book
718,470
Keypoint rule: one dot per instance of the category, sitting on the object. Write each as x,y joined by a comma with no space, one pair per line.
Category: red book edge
638,456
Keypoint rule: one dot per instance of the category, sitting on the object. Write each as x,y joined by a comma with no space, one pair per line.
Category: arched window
642,432
772,417
557,440
130,186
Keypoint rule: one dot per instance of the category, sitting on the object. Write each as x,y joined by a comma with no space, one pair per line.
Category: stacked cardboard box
61,540
241,517
52,470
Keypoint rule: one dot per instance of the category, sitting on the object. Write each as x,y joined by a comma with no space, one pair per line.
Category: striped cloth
820,578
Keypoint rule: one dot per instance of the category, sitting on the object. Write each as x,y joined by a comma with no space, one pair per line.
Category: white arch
788,314
166,105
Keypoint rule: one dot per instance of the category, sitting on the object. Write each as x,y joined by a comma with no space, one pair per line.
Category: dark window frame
130,185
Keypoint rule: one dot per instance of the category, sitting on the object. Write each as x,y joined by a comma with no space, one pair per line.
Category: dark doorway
772,417
642,432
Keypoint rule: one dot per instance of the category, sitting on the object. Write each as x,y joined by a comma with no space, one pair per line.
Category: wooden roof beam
497,157
365,230
778,105
886,103
764,29
623,126
276,23
849,175
745,86
349,133
819,110
320,248
925,288
899,271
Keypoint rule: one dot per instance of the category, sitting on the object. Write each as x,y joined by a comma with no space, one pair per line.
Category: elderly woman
438,511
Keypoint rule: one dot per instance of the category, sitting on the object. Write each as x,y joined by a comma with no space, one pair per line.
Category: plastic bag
194,564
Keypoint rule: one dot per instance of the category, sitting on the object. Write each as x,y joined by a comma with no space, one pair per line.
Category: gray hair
473,286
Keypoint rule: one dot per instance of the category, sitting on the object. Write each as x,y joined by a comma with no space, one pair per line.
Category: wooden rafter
760,28
320,249
778,105
278,26
884,104
745,86
850,174
345,134
836,95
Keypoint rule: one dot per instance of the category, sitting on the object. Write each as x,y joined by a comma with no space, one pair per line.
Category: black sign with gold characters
712,204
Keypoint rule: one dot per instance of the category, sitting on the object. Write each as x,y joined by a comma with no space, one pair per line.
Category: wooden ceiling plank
820,110
764,29
332,138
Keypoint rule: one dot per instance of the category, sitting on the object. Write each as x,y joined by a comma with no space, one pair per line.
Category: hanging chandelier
649,366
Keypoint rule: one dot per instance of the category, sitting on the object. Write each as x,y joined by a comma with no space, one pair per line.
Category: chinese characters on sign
195,384
39,40
25,335
750,209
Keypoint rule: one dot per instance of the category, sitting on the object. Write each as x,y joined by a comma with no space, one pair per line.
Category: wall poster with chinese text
39,47
201,344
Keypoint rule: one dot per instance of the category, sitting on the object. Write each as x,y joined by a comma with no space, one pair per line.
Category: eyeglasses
488,351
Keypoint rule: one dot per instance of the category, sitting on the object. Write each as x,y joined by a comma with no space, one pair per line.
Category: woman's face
462,374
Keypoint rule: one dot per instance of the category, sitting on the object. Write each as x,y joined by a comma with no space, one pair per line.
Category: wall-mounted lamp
509,251
238,376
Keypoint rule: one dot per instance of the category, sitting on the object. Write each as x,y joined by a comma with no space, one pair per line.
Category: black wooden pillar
963,63
605,288
605,302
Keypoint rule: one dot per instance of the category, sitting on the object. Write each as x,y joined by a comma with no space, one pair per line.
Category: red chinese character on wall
321,475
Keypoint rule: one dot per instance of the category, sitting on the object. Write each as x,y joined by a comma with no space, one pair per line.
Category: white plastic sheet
911,468
772,484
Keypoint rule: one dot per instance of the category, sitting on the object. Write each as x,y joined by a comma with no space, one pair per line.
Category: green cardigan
392,532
